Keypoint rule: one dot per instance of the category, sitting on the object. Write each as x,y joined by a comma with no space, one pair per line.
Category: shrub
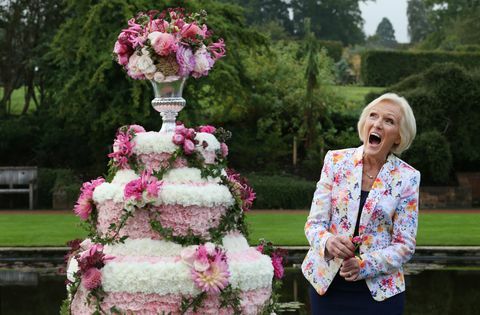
334,49
50,180
430,154
383,68
281,192
443,98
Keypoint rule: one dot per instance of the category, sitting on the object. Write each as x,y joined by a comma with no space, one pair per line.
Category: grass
18,100
355,95
436,229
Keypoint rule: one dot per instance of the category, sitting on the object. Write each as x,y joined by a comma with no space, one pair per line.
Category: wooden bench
21,179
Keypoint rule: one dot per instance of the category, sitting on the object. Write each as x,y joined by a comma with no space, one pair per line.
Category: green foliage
50,180
382,68
430,153
442,99
334,48
192,303
331,20
282,192
418,24
92,95
385,33
19,136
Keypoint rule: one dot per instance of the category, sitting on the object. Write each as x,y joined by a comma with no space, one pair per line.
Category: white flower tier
149,277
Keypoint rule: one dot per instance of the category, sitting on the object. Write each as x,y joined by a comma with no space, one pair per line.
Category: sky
395,10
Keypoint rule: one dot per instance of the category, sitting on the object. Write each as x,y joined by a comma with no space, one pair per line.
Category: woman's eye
390,121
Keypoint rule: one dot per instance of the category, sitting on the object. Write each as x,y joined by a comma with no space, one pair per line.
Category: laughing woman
370,193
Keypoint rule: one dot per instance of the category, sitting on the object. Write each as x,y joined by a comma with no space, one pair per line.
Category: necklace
369,176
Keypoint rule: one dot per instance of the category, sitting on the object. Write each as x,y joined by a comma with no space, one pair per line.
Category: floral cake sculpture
166,227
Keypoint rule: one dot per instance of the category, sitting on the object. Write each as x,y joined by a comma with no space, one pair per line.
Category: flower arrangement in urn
166,46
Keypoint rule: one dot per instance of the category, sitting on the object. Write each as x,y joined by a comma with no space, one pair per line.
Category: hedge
281,192
334,48
383,68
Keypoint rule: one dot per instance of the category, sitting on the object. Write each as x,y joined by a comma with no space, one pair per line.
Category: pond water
453,291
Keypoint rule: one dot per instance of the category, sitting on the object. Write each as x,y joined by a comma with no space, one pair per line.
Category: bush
51,180
382,68
430,154
18,140
281,192
443,98
334,49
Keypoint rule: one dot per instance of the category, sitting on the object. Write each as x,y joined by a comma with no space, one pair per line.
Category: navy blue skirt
346,298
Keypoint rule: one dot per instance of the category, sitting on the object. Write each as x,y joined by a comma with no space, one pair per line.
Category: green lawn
355,95
281,228
18,100
434,229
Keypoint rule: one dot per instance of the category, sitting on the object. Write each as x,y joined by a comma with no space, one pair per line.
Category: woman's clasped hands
342,247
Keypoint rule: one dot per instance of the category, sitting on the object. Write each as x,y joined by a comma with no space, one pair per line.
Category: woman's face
382,129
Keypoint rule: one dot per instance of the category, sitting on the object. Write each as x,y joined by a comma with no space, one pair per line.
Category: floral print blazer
388,223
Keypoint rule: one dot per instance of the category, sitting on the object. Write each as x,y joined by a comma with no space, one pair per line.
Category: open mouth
374,138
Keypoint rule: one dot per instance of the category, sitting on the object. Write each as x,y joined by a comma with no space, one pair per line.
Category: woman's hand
340,247
350,269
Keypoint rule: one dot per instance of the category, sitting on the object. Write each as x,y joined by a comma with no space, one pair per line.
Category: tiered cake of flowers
166,227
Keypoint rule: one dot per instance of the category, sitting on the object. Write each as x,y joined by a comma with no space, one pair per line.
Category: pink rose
178,139
180,129
190,134
224,149
92,279
207,129
188,147
188,254
163,43
132,68
191,30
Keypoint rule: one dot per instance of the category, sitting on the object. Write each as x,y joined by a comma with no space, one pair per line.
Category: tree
261,12
330,19
454,23
385,33
26,28
418,24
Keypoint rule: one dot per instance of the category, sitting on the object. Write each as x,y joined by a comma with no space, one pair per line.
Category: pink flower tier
166,231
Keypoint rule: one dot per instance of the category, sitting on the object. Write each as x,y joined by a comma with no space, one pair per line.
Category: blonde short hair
408,126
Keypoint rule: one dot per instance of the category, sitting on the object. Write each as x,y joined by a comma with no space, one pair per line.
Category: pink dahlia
215,278
92,279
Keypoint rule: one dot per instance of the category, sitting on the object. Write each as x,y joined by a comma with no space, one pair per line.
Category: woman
367,192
